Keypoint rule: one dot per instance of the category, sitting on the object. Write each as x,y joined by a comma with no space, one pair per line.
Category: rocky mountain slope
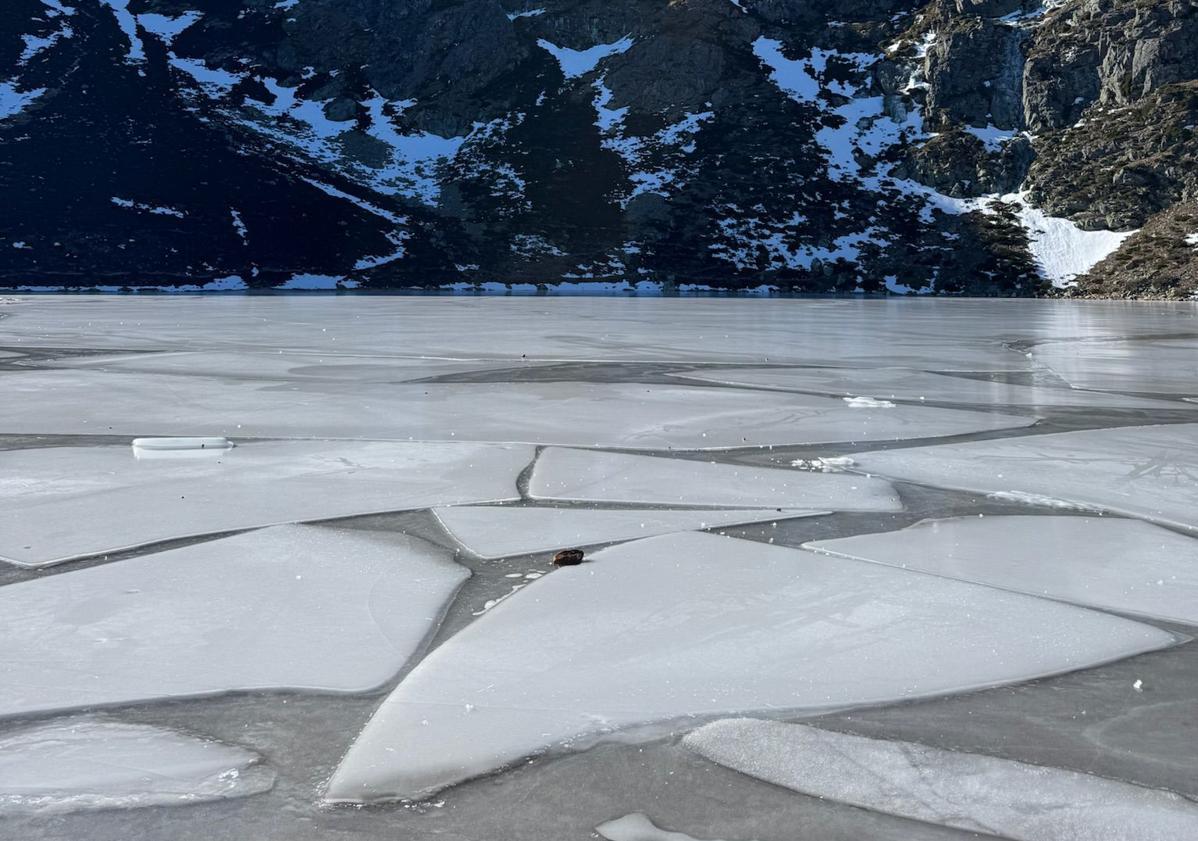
994,147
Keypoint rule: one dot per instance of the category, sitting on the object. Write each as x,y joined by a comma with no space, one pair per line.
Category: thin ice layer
976,793
633,415
906,384
1123,565
503,531
589,476
1168,366
67,502
94,763
690,626
1145,471
290,607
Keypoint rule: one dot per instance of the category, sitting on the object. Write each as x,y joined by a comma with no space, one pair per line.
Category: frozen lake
854,569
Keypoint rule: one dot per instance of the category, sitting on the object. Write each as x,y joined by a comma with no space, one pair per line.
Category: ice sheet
93,763
68,502
502,531
1145,471
618,477
301,607
638,827
1123,565
567,413
1166,366
689,626
976,793
905,384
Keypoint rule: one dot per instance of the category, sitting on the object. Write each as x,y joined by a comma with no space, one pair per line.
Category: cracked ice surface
567,413
93,763
1123,565
587,476
61,503
1169,366
906,384
973,792
502,531
1149,472
656,642
290,607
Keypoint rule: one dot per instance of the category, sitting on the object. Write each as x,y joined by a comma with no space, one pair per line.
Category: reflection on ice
68,502
1145,471
1119,564
94,763
693,626
617,477
298,607
976,793
503,531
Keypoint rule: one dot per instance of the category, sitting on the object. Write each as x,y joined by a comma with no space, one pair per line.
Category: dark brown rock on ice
568,558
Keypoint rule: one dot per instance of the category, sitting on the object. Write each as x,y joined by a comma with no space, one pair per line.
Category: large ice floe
502,531
1124,565
973,792
907,384
589,476
61,503
1144,471
298,607
94,763
640,416
1168,366
693,626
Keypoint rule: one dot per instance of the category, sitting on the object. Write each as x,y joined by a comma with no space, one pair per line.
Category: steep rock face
808,145
1159,261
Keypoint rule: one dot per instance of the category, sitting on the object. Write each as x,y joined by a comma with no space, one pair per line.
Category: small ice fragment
868,403
826,464
1138,685
638,827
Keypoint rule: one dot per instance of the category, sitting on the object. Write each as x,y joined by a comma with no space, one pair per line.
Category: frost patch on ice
14,101
868,403
1061,249
972,792
93,763
61,503
503,531
290,607
638,827
588,476
1043,501
157,210
1106,562
1150,472
787,630
580,62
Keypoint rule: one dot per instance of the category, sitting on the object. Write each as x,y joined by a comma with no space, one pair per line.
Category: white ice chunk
93,763
290,607
212,443
1143,471
588,476
638,827
861,402
906,384
1123,565
631,415
1168,366
689,626
973,792
61,503
502,531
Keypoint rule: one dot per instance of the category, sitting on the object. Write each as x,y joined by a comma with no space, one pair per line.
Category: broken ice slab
638,827
289,607
1108,562
587,414
61,503
1167,366
588,476
1149,472
74,764
187,444
503,531
692,626
906,384
973,792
